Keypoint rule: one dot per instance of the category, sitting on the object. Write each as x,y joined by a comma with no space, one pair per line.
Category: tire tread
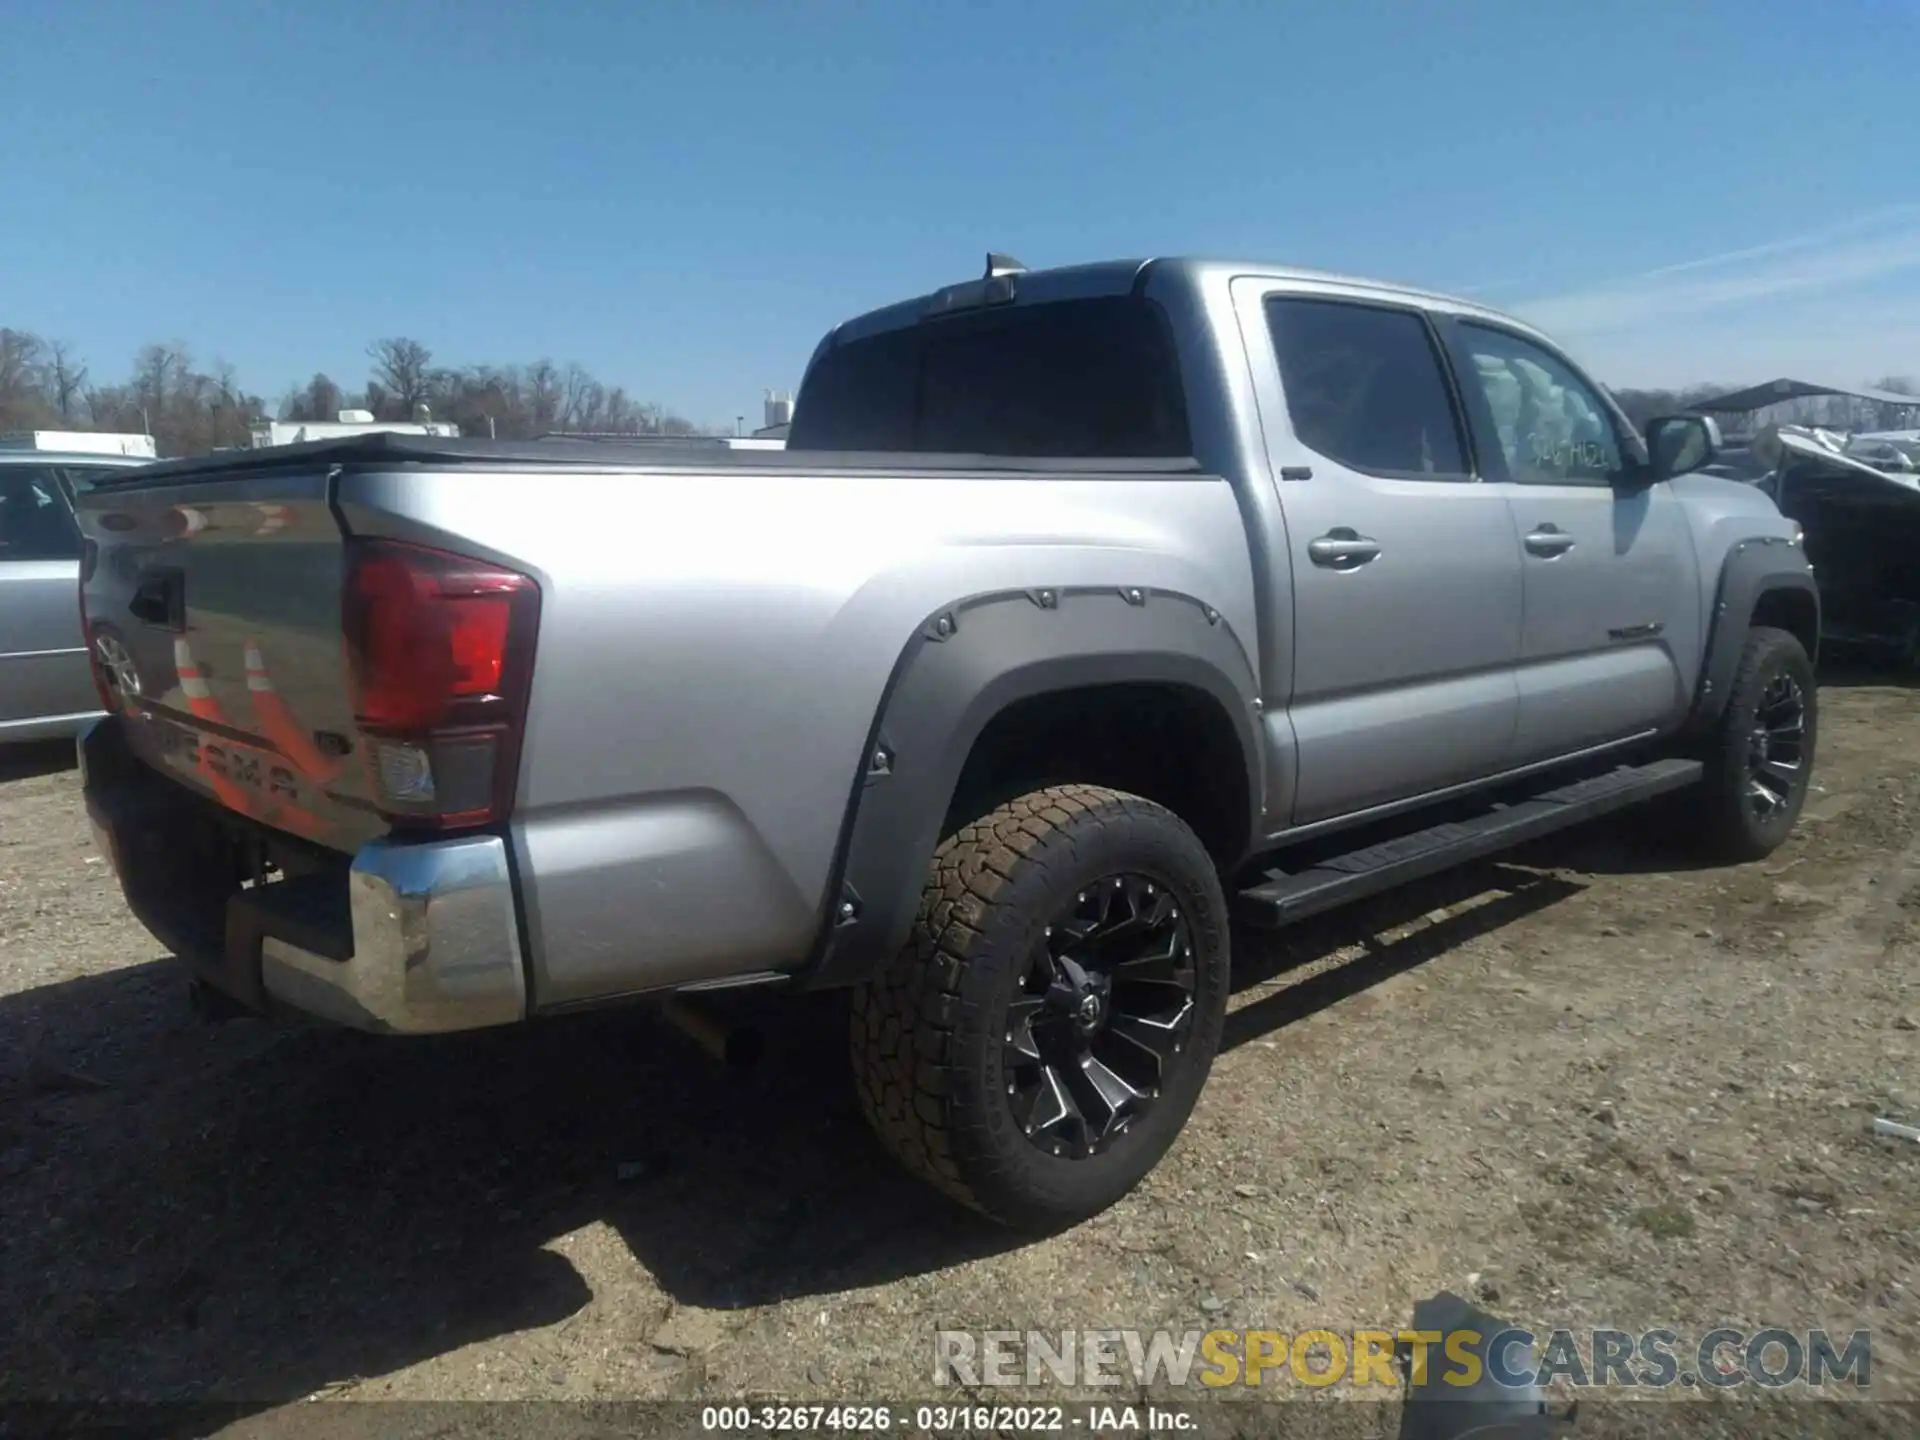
904,1020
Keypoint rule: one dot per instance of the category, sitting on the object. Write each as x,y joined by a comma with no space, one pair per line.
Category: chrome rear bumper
435,943
409,938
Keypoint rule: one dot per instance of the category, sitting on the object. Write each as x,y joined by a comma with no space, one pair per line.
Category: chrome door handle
1548,541
1342,549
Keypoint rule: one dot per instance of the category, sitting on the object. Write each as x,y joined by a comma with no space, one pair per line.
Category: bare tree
66,378
545,393
403,369
22,403
318,399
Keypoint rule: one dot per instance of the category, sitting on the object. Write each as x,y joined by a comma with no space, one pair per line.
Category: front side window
34,521
1551,427
1365,388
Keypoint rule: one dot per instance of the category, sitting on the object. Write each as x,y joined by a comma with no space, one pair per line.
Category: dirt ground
1588,1085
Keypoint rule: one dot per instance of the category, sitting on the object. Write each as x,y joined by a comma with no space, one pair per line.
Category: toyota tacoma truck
1086,611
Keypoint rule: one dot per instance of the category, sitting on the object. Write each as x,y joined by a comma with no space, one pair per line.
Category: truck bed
716,633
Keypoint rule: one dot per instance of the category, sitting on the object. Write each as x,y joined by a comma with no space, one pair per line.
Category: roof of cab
1117,277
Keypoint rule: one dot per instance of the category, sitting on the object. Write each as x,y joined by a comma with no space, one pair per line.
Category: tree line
190,409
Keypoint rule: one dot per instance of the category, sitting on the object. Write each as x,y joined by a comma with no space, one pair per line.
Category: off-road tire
927,1035
1725,820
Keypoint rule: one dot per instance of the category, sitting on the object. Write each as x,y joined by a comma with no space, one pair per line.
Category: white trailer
81,442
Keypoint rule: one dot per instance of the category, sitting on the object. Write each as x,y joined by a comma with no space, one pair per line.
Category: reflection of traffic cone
273,518
271,809
202,706
277,720
193,685
184,520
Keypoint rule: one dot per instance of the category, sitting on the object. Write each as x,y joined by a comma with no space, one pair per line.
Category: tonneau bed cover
387,449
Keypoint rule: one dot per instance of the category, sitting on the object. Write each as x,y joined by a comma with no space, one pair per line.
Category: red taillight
439,654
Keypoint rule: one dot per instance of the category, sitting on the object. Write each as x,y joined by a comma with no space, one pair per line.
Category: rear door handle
1548,541
1342,549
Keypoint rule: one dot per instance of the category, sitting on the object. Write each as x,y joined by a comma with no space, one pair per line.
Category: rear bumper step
1283,898
404,938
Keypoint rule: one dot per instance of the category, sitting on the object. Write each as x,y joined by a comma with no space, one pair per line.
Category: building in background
779,415
351,422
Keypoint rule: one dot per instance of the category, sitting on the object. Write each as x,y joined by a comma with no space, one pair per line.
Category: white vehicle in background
81,442
46,686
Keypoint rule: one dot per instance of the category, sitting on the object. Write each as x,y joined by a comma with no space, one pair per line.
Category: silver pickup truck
1086,610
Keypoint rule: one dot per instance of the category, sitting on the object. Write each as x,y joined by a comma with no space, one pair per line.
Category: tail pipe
738,1047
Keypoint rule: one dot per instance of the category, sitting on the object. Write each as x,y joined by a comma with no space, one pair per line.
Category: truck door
1609,595
1405,604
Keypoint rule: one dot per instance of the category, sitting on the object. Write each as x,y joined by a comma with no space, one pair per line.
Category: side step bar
1283,898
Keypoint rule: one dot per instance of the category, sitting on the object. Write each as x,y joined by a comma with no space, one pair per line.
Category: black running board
1283,898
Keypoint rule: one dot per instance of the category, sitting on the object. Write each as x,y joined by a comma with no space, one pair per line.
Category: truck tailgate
214,611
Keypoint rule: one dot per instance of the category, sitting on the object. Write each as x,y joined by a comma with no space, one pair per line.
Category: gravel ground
1588,1085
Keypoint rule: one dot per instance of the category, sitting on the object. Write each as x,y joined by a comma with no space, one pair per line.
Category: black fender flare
966,663
1753,568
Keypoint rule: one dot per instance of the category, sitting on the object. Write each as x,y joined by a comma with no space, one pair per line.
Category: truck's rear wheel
1760,757
1041,1039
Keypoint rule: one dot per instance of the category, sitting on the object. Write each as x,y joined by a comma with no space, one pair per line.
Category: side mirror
1680,444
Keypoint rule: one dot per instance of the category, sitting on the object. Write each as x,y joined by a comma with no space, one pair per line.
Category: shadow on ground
250,1212
1477,900
34,758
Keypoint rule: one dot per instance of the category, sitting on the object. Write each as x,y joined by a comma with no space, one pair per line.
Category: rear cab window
1365,387
1094,378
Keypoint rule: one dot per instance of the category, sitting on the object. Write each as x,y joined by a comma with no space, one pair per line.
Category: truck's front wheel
1760,756
1041,1039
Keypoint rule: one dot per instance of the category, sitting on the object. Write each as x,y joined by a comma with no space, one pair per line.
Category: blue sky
683,196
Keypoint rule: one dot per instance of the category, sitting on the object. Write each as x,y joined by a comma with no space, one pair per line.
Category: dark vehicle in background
1857,498
46,685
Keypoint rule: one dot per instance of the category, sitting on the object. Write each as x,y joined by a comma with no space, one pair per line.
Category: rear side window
34,521
1094,378
1365,388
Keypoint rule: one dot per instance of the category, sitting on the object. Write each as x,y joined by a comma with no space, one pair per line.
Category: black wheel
1760,758
1038,1044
